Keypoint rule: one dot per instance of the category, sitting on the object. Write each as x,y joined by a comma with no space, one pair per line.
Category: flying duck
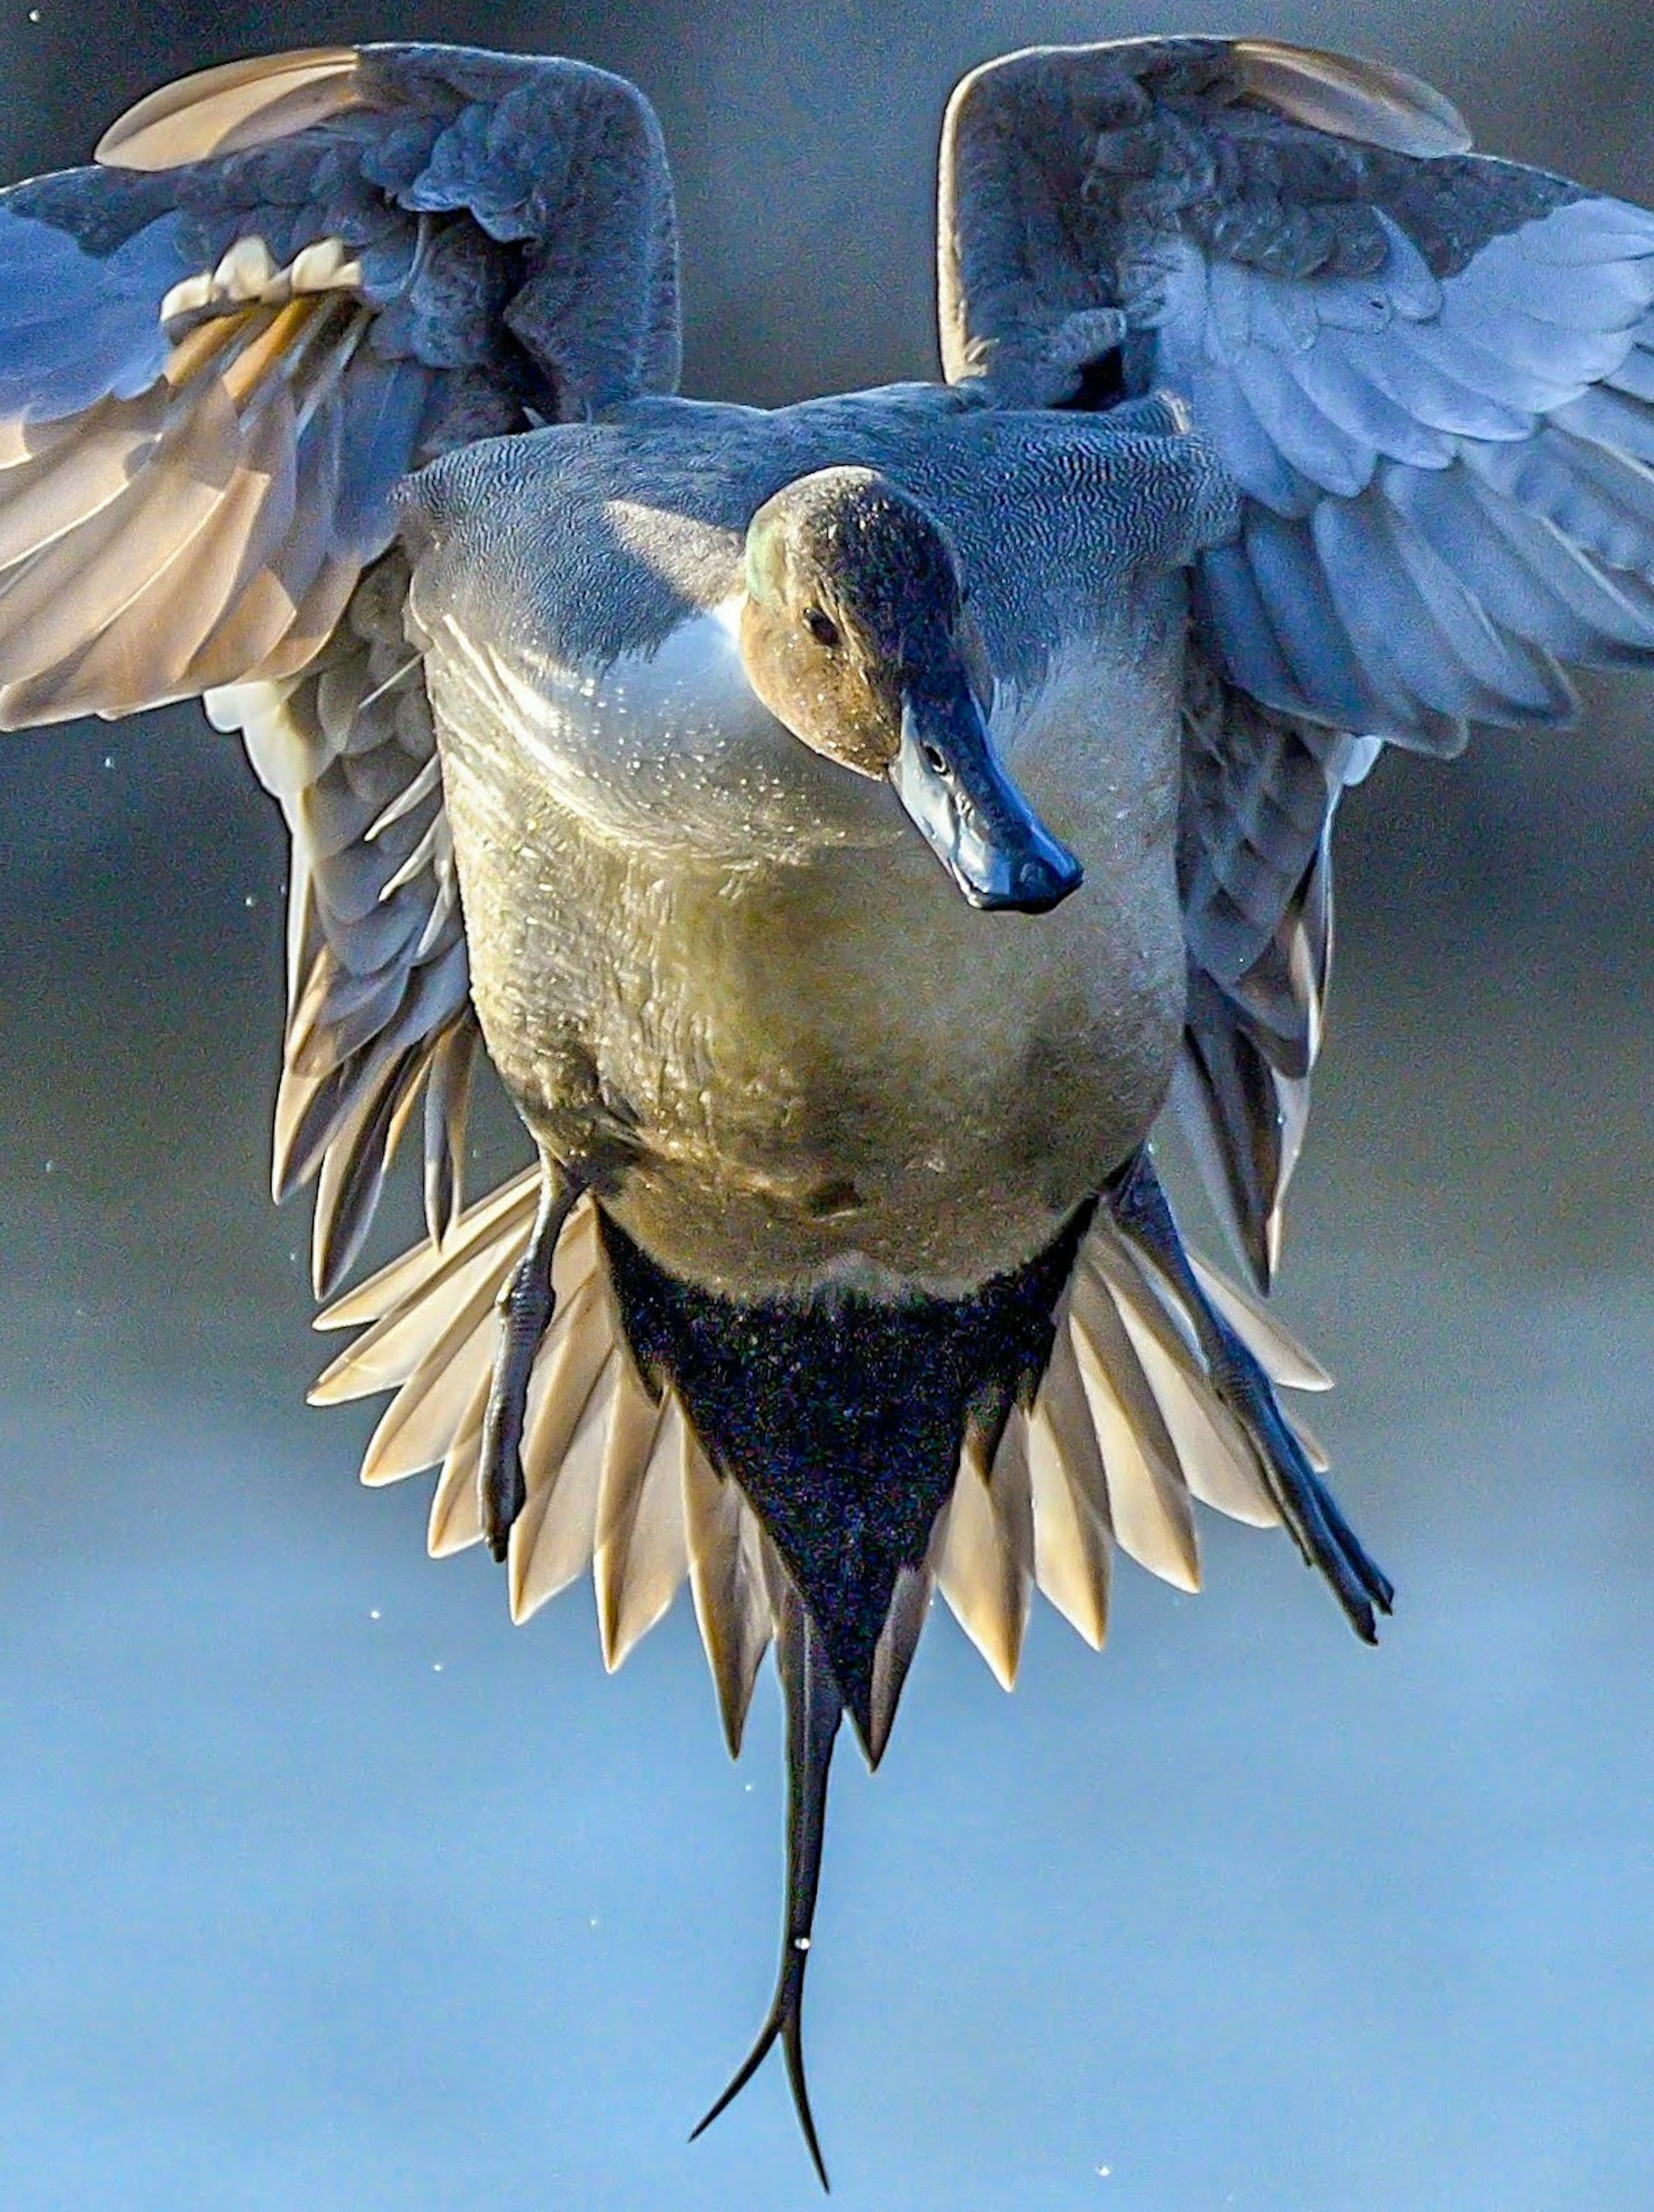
845,828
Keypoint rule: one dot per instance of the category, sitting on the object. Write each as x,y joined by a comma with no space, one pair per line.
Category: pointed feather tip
787,2029
985,1550
232,108
1362,1616
1353,99
1288,1363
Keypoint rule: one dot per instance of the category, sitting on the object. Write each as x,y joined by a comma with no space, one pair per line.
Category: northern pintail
623,735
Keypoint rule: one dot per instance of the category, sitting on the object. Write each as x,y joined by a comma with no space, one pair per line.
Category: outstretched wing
287,283
1432,375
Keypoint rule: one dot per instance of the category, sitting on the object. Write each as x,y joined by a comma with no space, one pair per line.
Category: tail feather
408,1286
456,1517
1284,1359
893,1654
554,1539
985,1569
813,1707
642,1551
421,1421
727,1577
1098,1395
1148,1491
1131,1423
1071,1546
1310,1444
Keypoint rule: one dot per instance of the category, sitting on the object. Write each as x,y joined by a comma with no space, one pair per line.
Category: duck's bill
971,814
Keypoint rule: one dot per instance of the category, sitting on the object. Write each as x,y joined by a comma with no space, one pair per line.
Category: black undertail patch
842,1416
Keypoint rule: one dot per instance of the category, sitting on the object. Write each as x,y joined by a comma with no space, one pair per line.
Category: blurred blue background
324,1888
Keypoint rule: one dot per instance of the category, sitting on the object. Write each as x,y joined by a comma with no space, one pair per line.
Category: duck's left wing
1431,376
1429,373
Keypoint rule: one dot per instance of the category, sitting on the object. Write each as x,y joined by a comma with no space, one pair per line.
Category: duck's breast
735,967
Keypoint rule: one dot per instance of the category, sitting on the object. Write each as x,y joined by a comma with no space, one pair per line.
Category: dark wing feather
288,283
1255,872
379,995
1432,376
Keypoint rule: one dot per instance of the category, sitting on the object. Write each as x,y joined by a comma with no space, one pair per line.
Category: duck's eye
821,626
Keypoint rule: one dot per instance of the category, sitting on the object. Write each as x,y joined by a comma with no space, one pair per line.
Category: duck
846,830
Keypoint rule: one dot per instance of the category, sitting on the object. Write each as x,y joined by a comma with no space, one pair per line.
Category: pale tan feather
553,1538
983,1571
1218,1460
1062,1418
1364,100
727,1578
1314,1451
456,1516
260,621
1009,1486
1148,1499
232,108
1071,1546
314,620
423,1419
1286,1362
417,1273
44,495
68,591
386,1353
642,1553
21,441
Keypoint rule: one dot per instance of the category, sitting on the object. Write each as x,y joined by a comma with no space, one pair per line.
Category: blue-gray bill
948,777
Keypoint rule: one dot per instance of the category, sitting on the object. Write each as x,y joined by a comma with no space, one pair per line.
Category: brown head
856,636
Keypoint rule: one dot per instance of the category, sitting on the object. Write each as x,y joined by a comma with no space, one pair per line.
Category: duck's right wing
286,284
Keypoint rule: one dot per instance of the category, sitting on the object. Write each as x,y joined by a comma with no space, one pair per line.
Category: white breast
670,753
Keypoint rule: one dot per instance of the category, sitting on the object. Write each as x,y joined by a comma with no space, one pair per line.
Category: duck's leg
526,1308
1306,1505
813,1708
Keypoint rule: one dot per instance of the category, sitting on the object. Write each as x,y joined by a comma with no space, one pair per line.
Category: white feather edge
1124,1432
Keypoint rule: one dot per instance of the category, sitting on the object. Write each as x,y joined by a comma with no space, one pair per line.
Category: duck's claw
1305,1505
527,1304
813,1708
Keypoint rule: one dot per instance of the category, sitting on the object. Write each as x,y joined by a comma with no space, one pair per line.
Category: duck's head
855,635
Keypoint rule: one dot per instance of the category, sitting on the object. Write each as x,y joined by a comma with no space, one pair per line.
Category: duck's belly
830,1069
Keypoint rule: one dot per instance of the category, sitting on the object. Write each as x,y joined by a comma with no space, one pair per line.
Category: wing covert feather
1400,350
286,284
1431,376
